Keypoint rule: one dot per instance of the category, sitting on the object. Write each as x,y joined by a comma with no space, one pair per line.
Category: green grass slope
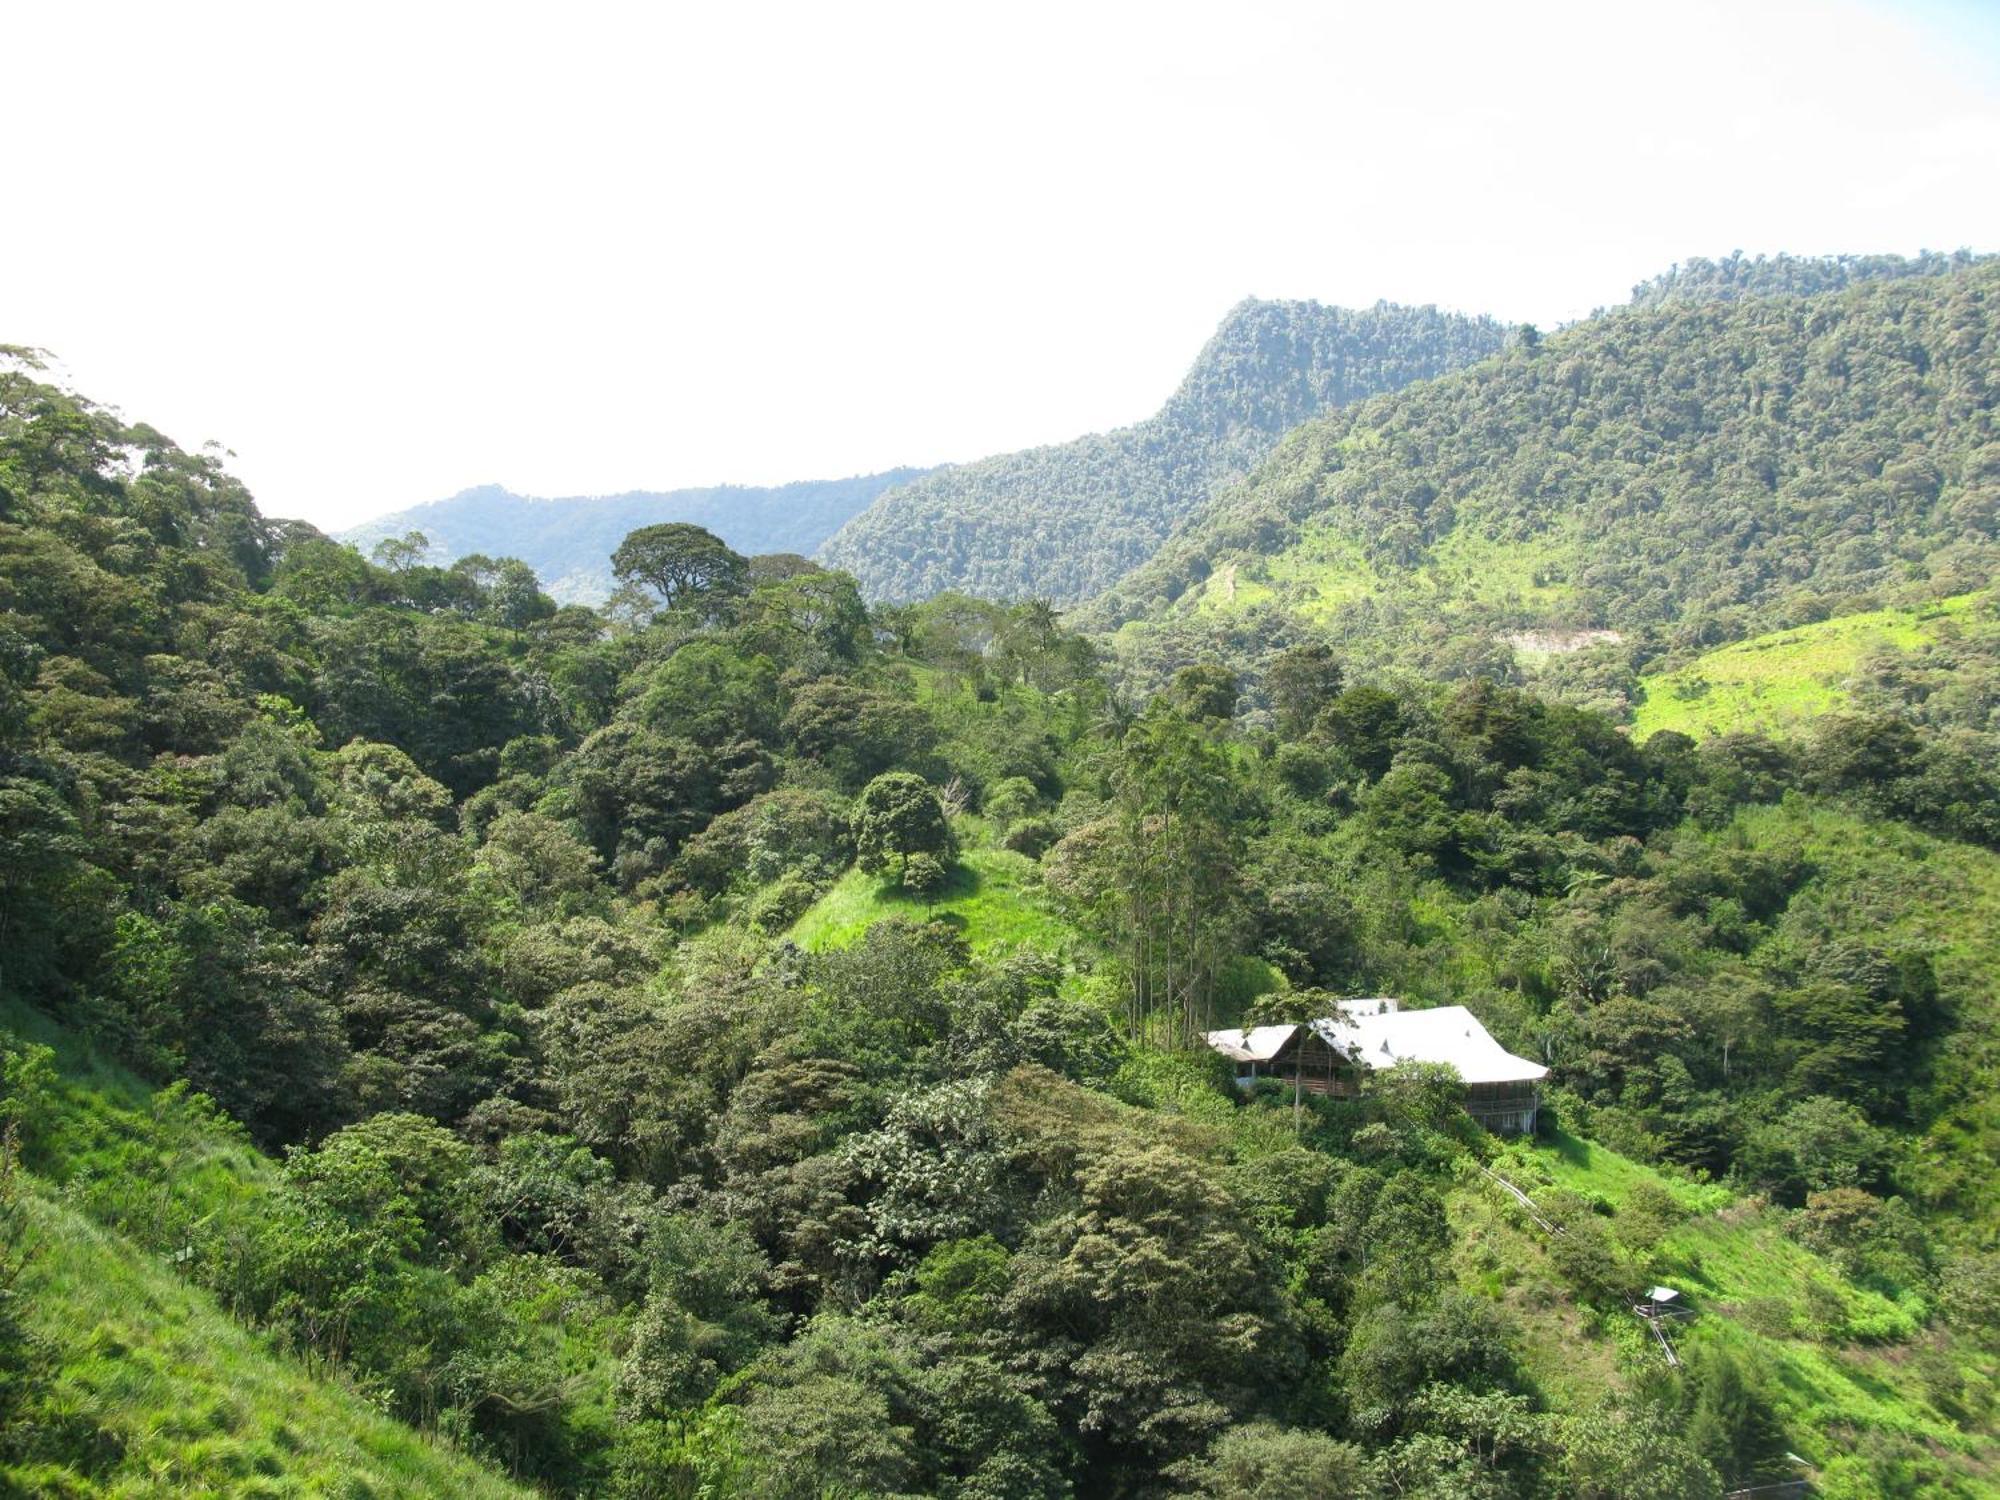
167,1395
1773,683
994,898
995,902
149,1387
1846,1366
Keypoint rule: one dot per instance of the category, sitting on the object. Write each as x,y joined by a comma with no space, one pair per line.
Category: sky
385,252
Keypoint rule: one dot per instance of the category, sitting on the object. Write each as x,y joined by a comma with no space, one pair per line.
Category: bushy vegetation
745,1043
1064,522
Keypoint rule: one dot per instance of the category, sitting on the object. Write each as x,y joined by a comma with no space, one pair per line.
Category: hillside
569,541
1777,682
1064,521
751,1045
1827,1344
137,1381
1683,472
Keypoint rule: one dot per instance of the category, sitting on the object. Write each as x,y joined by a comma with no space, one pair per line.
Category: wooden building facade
1332,1055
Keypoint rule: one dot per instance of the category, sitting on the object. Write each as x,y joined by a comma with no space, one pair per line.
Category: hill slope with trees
1062,522
1662,478
745,1043
569,541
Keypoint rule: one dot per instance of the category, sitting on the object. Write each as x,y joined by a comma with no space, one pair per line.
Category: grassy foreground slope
179,1399
147,1386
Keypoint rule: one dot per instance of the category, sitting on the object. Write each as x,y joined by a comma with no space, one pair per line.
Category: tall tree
1176,854
688,566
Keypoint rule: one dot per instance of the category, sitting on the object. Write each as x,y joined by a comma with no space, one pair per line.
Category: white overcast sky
385,252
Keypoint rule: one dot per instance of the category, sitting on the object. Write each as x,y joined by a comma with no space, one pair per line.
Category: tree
1174,852
1263,1461
924,876
898,816
399,554
1205,690
854,731
1300,682
688,566
1733,1424
516,598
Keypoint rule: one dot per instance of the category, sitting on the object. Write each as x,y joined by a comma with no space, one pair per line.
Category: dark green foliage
1262,1461
1064,522
896,819
688,566
1300,683
1732,1424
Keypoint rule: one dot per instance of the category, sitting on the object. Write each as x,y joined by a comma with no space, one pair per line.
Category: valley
737,1028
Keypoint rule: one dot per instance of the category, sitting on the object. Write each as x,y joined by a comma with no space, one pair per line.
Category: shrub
1033,837
782,902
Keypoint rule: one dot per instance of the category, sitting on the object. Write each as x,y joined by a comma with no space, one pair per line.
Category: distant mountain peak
1066,520
568,539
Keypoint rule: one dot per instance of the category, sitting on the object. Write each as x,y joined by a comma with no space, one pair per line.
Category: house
1332,1055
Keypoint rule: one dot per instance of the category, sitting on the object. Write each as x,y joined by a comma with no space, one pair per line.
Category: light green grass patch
993,899
1529,572
1773,683
1787,1312
194,1403
1327,569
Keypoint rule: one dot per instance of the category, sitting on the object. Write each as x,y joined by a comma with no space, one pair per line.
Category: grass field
1839,1359
1773,683
1326,569
154,1389
993,899
164,1394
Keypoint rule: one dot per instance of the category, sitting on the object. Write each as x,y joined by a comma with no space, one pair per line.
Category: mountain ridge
1065,519
1684,471
568,539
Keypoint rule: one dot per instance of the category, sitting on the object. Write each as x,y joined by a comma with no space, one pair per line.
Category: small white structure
1659,1307
1330,1056
1663,1302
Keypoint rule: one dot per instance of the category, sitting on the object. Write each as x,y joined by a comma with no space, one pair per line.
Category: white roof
1372,1005
1447,1034
1259,1044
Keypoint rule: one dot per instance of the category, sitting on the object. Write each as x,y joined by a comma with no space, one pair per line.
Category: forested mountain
1063,522
569,541
1709,463
746,1045
1738,275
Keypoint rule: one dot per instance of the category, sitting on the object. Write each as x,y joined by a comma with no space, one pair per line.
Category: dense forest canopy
746,1041
1063,522
1737,276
